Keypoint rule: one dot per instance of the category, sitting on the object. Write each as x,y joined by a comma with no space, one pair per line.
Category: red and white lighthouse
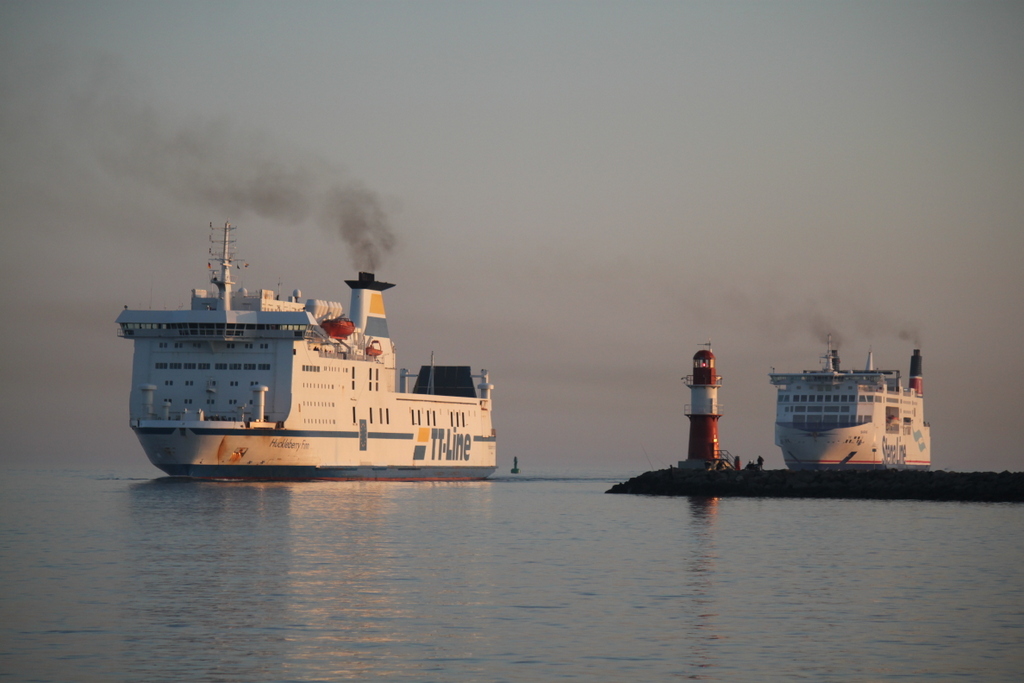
703,410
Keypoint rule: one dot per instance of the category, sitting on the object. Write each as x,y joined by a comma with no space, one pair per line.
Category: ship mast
223,250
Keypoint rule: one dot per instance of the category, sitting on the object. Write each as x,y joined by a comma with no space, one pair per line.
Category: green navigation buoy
515,465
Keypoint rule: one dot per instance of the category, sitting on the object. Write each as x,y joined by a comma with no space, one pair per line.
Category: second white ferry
831,419
252,386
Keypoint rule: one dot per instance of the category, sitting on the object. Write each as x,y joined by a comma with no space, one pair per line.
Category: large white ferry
253,386
831,419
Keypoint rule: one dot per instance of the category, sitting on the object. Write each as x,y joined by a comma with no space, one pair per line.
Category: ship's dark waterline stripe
300,472
801,466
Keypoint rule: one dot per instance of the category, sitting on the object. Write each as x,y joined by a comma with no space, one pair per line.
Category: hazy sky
581,193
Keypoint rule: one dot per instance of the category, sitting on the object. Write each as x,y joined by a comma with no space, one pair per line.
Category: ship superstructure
834,419
252,386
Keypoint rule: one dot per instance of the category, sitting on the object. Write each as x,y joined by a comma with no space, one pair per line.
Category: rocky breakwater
993,487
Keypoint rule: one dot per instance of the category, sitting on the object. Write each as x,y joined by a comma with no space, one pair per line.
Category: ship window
190,366
161,366
264,346
250,366
264,366
235,366
800,409
220,366
175,366
168,382
204,366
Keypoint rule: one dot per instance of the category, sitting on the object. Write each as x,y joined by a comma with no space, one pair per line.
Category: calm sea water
112,577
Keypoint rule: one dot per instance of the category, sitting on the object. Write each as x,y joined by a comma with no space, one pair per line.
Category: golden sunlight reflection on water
517,580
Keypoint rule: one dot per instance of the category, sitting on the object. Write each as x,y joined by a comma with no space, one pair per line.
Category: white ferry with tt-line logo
831,419
252,386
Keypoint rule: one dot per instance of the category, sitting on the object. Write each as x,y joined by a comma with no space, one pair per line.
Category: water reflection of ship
265,557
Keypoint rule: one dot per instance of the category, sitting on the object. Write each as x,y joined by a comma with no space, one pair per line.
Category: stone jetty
991,487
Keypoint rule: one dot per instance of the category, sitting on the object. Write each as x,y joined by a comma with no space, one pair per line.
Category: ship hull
851,448
234,451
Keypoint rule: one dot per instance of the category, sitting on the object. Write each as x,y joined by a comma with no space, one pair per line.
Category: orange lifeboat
338,328
374,349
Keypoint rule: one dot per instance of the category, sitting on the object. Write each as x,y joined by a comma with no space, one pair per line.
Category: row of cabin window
199,345
841,419
820,398
383,415
216,366
456,419
221,327
211,383
828,398
818,409
209,401
374,379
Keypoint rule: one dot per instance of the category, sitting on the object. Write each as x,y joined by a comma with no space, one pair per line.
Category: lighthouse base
693,464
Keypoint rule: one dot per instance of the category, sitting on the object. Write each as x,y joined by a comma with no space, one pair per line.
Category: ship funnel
367,307
916,379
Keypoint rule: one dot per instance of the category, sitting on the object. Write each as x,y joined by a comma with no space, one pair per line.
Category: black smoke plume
92,105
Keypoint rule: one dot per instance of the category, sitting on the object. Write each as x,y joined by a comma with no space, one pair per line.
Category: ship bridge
218,324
